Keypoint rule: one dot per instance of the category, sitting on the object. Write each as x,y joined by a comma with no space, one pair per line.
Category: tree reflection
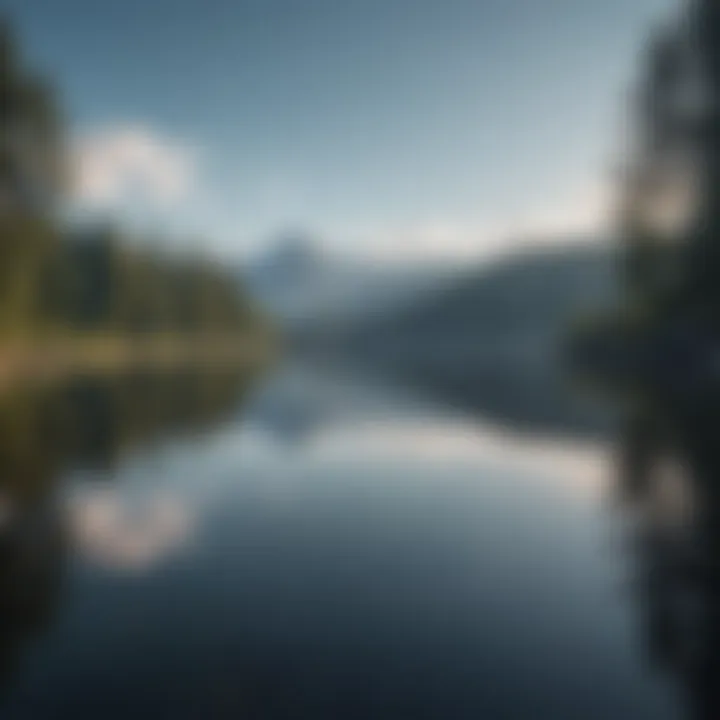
32,549
670,479
85,423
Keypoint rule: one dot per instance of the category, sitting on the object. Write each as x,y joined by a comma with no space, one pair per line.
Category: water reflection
32,553
88,423
670,482
385,554
114,532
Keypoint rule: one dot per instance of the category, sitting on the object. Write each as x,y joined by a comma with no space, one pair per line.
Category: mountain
482,341
487,342
305,288
513,309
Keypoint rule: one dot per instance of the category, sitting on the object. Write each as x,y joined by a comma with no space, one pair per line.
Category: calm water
316,546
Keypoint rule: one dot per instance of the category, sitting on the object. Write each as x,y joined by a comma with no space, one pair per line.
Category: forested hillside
528,300
55,277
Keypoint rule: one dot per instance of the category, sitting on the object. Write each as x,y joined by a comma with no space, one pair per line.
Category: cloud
584,210
581,213
131,164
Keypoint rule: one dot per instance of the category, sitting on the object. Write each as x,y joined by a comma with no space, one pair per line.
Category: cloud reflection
125,535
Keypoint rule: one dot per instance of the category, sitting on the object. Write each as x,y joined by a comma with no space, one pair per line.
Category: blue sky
388,127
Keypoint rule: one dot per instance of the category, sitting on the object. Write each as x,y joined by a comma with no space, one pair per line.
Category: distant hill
305,288
508,311
482,341
487,342
515,306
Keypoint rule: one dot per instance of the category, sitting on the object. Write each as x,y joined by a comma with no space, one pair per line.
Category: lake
315,543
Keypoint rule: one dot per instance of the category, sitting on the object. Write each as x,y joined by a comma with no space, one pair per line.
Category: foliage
99,281
94,279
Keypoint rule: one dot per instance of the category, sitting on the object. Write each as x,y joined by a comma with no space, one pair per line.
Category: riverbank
37,360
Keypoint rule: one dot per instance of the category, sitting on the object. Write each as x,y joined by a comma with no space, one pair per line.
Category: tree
31,172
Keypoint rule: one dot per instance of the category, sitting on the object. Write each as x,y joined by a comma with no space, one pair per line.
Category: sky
425,129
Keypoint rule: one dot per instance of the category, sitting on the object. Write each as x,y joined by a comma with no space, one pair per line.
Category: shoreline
52,360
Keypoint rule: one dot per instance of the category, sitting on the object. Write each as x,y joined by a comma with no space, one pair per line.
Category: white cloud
581,213
131,164
585,210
